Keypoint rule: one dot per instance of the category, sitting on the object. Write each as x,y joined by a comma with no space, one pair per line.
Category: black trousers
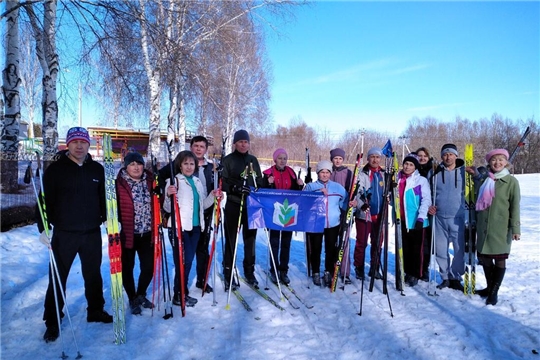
65,246
232,214
330,248
202,254
413,251
143,247
280,257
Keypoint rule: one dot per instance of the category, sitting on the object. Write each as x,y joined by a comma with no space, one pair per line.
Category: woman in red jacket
281,176
134,194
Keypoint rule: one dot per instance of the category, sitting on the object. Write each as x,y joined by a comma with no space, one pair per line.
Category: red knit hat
77,133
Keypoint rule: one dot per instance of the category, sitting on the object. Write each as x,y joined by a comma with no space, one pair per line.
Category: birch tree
9,132
45,37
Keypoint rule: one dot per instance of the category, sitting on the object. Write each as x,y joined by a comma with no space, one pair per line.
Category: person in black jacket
74,188
199,146
236,181
426,162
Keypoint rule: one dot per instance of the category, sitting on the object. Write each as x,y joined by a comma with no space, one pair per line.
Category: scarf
487,190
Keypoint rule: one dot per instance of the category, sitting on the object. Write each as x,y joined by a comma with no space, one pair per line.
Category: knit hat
337,152
374,151
133,156
77,133
449,148
279,152
240,135
324,165
494,152
412,157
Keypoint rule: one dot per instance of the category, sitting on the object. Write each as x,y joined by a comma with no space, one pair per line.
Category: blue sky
375,65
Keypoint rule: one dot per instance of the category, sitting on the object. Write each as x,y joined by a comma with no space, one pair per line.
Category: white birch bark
48,58
9,131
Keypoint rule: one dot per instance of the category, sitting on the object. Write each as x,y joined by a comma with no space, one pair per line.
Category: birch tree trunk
48,58
154,79
9,132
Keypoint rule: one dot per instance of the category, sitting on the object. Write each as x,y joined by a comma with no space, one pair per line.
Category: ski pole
432,259
228,305
273,264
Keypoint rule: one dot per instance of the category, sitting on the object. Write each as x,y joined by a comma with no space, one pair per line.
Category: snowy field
448,326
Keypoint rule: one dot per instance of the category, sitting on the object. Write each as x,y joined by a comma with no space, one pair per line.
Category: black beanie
133,156
412,157
240,135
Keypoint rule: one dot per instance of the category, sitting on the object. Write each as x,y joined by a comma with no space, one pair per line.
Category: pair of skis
115,247
469,279
161,268
400,270
345,227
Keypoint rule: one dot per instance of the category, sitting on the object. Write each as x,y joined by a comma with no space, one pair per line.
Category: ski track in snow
448,326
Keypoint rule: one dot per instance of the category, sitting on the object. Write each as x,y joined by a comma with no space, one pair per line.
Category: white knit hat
324,165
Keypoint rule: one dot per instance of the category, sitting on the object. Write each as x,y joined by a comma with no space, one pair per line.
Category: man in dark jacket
199,146
74,188
237,178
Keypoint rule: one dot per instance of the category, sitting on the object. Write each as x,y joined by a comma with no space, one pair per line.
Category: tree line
486,135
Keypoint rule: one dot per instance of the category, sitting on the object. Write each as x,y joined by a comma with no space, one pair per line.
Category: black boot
488,270
359,271
249,274
284,278
497,277
227,275
272,276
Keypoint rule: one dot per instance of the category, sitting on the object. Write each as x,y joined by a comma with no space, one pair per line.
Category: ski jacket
376,179
335,201
234,166
74,194
207,171
185,200
342,176
449,190
126,207
423,169
415,200
364,193
283,179
496,224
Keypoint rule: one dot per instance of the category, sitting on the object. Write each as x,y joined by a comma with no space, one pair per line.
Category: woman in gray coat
498,219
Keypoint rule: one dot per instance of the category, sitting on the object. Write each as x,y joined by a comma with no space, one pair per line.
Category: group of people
431,206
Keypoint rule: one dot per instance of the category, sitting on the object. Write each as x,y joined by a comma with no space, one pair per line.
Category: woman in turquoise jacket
415,200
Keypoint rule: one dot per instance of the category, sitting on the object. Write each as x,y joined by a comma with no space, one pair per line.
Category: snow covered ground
448,326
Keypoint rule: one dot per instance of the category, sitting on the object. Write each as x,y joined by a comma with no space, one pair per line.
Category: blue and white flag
287,210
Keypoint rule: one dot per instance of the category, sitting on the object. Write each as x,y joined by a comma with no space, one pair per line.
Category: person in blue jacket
335,201
449,216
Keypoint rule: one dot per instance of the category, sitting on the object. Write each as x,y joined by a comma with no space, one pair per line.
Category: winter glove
45,239
364,207
419,224
241,190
